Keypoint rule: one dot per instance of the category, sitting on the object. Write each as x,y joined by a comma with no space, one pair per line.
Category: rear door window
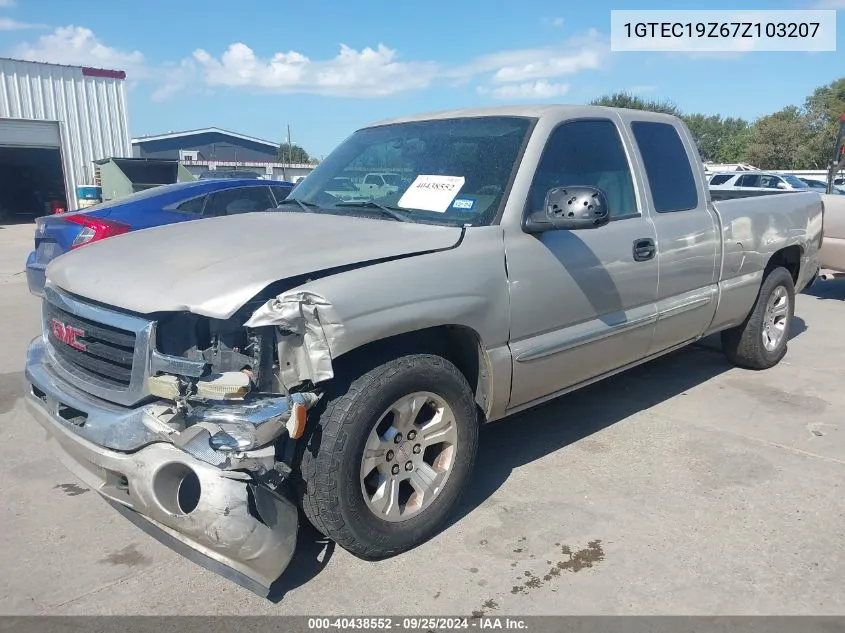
239,200
720,179
667,166
193,206
749,180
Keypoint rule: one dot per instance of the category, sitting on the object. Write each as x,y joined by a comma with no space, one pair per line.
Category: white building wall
89,105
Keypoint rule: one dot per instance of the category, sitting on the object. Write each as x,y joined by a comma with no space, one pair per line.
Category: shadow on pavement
834,289
15,220
535,433
312,554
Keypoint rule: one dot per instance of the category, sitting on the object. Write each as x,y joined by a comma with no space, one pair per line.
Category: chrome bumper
220,519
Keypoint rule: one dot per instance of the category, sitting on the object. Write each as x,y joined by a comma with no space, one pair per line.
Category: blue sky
325,68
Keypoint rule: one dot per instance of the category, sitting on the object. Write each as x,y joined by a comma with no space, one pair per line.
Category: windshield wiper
308,207
394,212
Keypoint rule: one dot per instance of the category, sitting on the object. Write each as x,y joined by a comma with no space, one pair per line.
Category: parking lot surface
685,486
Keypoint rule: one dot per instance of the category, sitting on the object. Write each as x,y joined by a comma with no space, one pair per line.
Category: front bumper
221,519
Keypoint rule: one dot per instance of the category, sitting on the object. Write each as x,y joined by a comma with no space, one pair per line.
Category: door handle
644,249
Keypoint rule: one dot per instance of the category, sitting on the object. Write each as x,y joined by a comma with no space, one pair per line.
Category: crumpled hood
214,266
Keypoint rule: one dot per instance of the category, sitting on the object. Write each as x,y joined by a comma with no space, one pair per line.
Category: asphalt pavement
685,486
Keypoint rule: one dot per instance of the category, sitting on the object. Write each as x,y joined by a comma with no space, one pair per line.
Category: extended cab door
687,230
582,302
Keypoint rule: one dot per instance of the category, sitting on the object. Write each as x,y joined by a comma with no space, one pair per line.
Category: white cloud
7,3
369,72
78,46
366,73
587,52
8,24
829,4
527,90
379,71
556,22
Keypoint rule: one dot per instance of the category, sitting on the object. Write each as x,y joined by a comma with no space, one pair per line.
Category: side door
582,302
770,181
687,233
239,200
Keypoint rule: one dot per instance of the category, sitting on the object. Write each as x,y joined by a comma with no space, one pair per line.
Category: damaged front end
185,424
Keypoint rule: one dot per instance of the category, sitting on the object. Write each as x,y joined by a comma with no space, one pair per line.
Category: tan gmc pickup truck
210,378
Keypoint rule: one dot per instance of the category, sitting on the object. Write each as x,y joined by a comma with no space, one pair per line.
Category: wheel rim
409,456
776,318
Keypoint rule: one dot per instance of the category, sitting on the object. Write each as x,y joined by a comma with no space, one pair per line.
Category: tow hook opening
177,489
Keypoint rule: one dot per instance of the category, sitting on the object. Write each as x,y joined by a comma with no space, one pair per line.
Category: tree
824,108
734,144
826,104
792,138
634,102
718,139
292,153
780,140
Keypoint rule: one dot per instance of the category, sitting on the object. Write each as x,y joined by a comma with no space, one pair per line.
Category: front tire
760,342
389,455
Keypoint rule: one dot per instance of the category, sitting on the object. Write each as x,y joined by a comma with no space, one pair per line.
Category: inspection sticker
463,203
432,193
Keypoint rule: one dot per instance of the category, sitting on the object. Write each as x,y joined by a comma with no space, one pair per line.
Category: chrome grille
100,350
104,352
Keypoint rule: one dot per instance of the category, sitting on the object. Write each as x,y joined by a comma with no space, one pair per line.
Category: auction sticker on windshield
432,193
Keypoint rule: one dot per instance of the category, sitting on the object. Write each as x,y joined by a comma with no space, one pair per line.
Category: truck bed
731,194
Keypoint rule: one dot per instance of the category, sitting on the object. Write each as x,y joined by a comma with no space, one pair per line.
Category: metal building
211,144
210,150
55,121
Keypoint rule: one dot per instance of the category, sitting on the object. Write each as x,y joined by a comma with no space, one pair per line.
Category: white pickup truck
340,356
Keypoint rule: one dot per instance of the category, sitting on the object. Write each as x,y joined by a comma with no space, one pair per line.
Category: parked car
820,186
557,246
345,189
167,204
378,185
756,180
833,246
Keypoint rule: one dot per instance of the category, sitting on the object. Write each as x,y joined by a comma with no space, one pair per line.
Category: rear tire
401,397
760,342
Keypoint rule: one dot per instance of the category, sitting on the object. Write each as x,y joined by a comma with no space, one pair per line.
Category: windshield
796,182
449,171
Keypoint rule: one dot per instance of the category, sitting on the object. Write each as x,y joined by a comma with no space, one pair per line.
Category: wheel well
458,344
789,258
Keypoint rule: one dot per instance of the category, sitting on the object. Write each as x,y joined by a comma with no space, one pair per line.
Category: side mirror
570,209
782,185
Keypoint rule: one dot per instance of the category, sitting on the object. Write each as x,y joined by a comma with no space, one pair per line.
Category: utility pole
290,147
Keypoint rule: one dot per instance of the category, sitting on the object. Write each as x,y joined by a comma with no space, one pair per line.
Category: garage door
18,132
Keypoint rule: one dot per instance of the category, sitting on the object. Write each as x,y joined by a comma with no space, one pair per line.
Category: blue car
167,204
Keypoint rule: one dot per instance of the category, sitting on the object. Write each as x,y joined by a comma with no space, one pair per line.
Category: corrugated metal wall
90,106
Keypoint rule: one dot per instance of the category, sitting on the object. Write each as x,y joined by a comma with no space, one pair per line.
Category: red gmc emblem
67,334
